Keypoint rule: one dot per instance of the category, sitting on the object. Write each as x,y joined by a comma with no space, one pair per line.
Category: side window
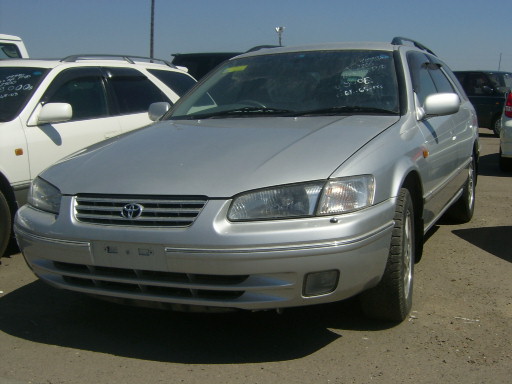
477,84
133,91
178,82
82,89
421,80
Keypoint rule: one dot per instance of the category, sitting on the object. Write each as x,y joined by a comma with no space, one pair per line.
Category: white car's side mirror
54,113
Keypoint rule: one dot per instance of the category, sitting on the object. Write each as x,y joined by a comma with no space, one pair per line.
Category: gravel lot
459,330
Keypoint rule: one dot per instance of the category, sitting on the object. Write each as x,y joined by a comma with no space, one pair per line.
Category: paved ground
459,330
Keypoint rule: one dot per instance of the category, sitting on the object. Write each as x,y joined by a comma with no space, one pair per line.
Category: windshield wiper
247,111
345,109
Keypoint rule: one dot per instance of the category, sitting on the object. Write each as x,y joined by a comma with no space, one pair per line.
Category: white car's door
84,89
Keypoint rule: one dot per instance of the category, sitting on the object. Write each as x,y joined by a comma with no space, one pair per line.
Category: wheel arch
7,191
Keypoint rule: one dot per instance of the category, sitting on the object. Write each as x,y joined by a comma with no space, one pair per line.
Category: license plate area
127,255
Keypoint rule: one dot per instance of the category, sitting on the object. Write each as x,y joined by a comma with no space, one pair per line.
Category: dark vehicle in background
199,64
487,91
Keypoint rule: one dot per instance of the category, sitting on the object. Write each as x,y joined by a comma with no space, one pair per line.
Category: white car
506,136
52,108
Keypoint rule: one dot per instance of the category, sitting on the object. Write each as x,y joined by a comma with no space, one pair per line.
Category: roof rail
401,40
129,58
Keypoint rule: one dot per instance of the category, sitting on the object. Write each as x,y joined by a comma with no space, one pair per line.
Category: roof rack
402,40
129,58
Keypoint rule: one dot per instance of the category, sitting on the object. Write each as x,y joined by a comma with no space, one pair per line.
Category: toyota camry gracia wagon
287,177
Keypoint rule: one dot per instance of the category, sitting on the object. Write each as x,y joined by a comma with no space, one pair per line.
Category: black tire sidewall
5,224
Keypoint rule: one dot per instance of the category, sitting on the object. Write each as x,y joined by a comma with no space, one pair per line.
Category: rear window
178,82
133,91
16,87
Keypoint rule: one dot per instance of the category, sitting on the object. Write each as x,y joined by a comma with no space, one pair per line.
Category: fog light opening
320,283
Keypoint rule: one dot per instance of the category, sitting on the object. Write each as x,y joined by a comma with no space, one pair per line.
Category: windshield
296,84
16,86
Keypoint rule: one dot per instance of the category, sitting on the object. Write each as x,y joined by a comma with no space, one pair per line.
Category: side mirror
157,110
487,90
441,104
55,113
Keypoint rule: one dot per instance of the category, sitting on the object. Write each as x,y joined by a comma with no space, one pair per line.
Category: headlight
302,200
346,195
44,196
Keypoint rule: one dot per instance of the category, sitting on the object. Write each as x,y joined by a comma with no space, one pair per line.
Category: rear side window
178,82
133,91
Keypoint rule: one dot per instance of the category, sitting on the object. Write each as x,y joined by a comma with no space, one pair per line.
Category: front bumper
213,263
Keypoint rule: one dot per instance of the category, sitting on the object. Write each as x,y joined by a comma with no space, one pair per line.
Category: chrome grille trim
172,211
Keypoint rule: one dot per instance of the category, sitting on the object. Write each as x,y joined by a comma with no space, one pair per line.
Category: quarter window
178,82
133,91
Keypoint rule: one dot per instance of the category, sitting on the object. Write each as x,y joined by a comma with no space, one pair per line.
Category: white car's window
86,96
178,82
133,91
316,82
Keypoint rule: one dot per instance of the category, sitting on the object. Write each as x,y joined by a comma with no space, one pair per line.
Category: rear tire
5,224
391,299
496,126
462,211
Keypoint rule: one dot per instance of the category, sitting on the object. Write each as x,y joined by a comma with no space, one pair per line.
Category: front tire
391,299
5,224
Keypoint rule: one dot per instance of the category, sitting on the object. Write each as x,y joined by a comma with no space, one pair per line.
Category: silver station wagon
287,177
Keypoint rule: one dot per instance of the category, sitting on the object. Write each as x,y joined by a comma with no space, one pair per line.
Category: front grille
167,284
146,212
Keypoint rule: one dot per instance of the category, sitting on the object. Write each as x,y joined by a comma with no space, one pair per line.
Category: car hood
217,158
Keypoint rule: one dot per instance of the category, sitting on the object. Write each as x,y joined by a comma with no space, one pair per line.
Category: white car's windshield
16,86
297,84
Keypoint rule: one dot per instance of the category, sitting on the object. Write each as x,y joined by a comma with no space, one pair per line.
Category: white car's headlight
330,197
44,196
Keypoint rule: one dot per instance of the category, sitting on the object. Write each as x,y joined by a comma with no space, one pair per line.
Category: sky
466,34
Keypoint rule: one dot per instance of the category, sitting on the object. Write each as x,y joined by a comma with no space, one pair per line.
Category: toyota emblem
132,211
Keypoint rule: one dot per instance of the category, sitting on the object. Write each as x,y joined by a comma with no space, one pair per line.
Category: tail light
508,105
